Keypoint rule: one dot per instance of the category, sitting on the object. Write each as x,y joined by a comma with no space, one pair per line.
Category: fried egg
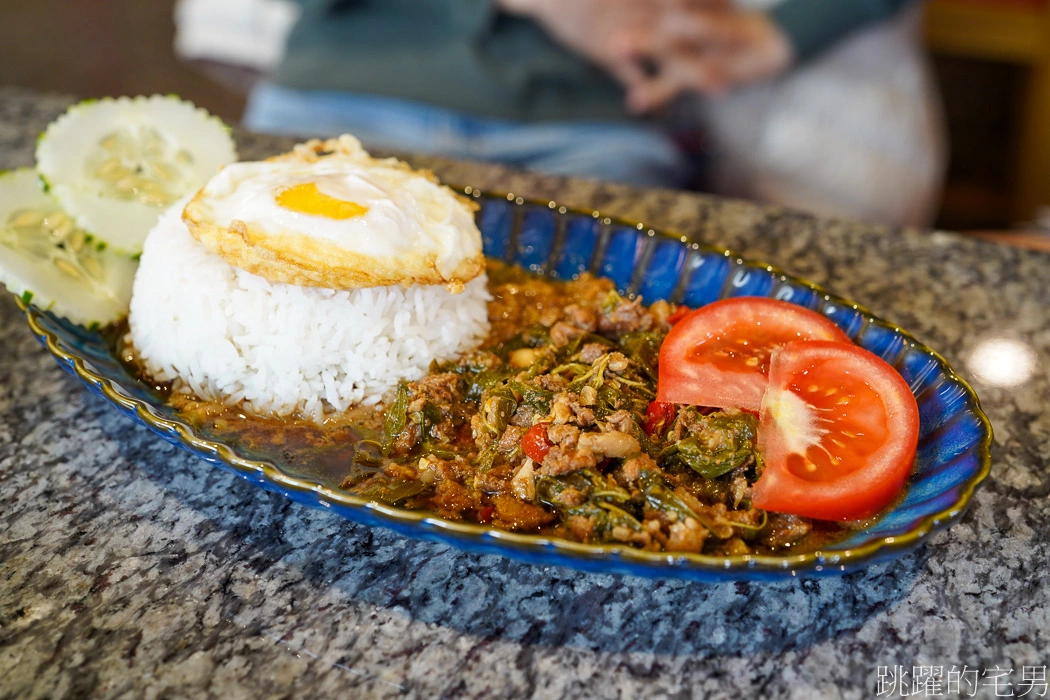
329,215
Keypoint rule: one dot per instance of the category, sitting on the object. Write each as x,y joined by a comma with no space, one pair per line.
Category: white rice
222,333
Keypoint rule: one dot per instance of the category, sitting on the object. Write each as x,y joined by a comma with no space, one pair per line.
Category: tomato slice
718,355
678,314
838,431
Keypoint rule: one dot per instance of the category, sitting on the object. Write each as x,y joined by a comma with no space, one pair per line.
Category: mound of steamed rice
222,333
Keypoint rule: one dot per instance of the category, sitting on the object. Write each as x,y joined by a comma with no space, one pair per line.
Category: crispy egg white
329,215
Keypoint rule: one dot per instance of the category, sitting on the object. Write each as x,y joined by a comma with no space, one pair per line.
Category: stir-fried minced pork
545,430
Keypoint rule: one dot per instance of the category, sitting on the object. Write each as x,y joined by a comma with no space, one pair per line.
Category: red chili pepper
485,515
658,417
535,443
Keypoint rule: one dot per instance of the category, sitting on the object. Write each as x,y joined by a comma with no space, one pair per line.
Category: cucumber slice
51,263
116,164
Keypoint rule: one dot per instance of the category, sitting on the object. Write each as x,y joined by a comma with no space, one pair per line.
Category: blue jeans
625,152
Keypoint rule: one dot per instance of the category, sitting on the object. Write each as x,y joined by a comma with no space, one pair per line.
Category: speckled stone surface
131,569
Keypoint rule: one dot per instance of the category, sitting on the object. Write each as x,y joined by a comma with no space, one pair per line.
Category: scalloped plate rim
540,549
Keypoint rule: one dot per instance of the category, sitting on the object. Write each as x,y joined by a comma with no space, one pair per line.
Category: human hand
590,27
699,48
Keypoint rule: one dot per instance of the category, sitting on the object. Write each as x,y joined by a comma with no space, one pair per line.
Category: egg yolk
307,199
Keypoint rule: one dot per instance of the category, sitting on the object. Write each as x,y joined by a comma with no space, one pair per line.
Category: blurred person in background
824,105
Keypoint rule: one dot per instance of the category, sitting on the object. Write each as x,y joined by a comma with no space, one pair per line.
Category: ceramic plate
954,441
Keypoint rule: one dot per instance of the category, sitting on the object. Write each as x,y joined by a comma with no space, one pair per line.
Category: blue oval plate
954,441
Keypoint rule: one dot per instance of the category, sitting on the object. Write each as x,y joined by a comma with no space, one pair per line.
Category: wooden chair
1015,32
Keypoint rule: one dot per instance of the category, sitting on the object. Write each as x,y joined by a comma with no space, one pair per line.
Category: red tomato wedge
718,355
837,431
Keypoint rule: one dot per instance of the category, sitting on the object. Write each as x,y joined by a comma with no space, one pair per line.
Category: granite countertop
129,568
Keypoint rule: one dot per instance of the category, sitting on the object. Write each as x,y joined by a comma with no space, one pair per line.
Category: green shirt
467,56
